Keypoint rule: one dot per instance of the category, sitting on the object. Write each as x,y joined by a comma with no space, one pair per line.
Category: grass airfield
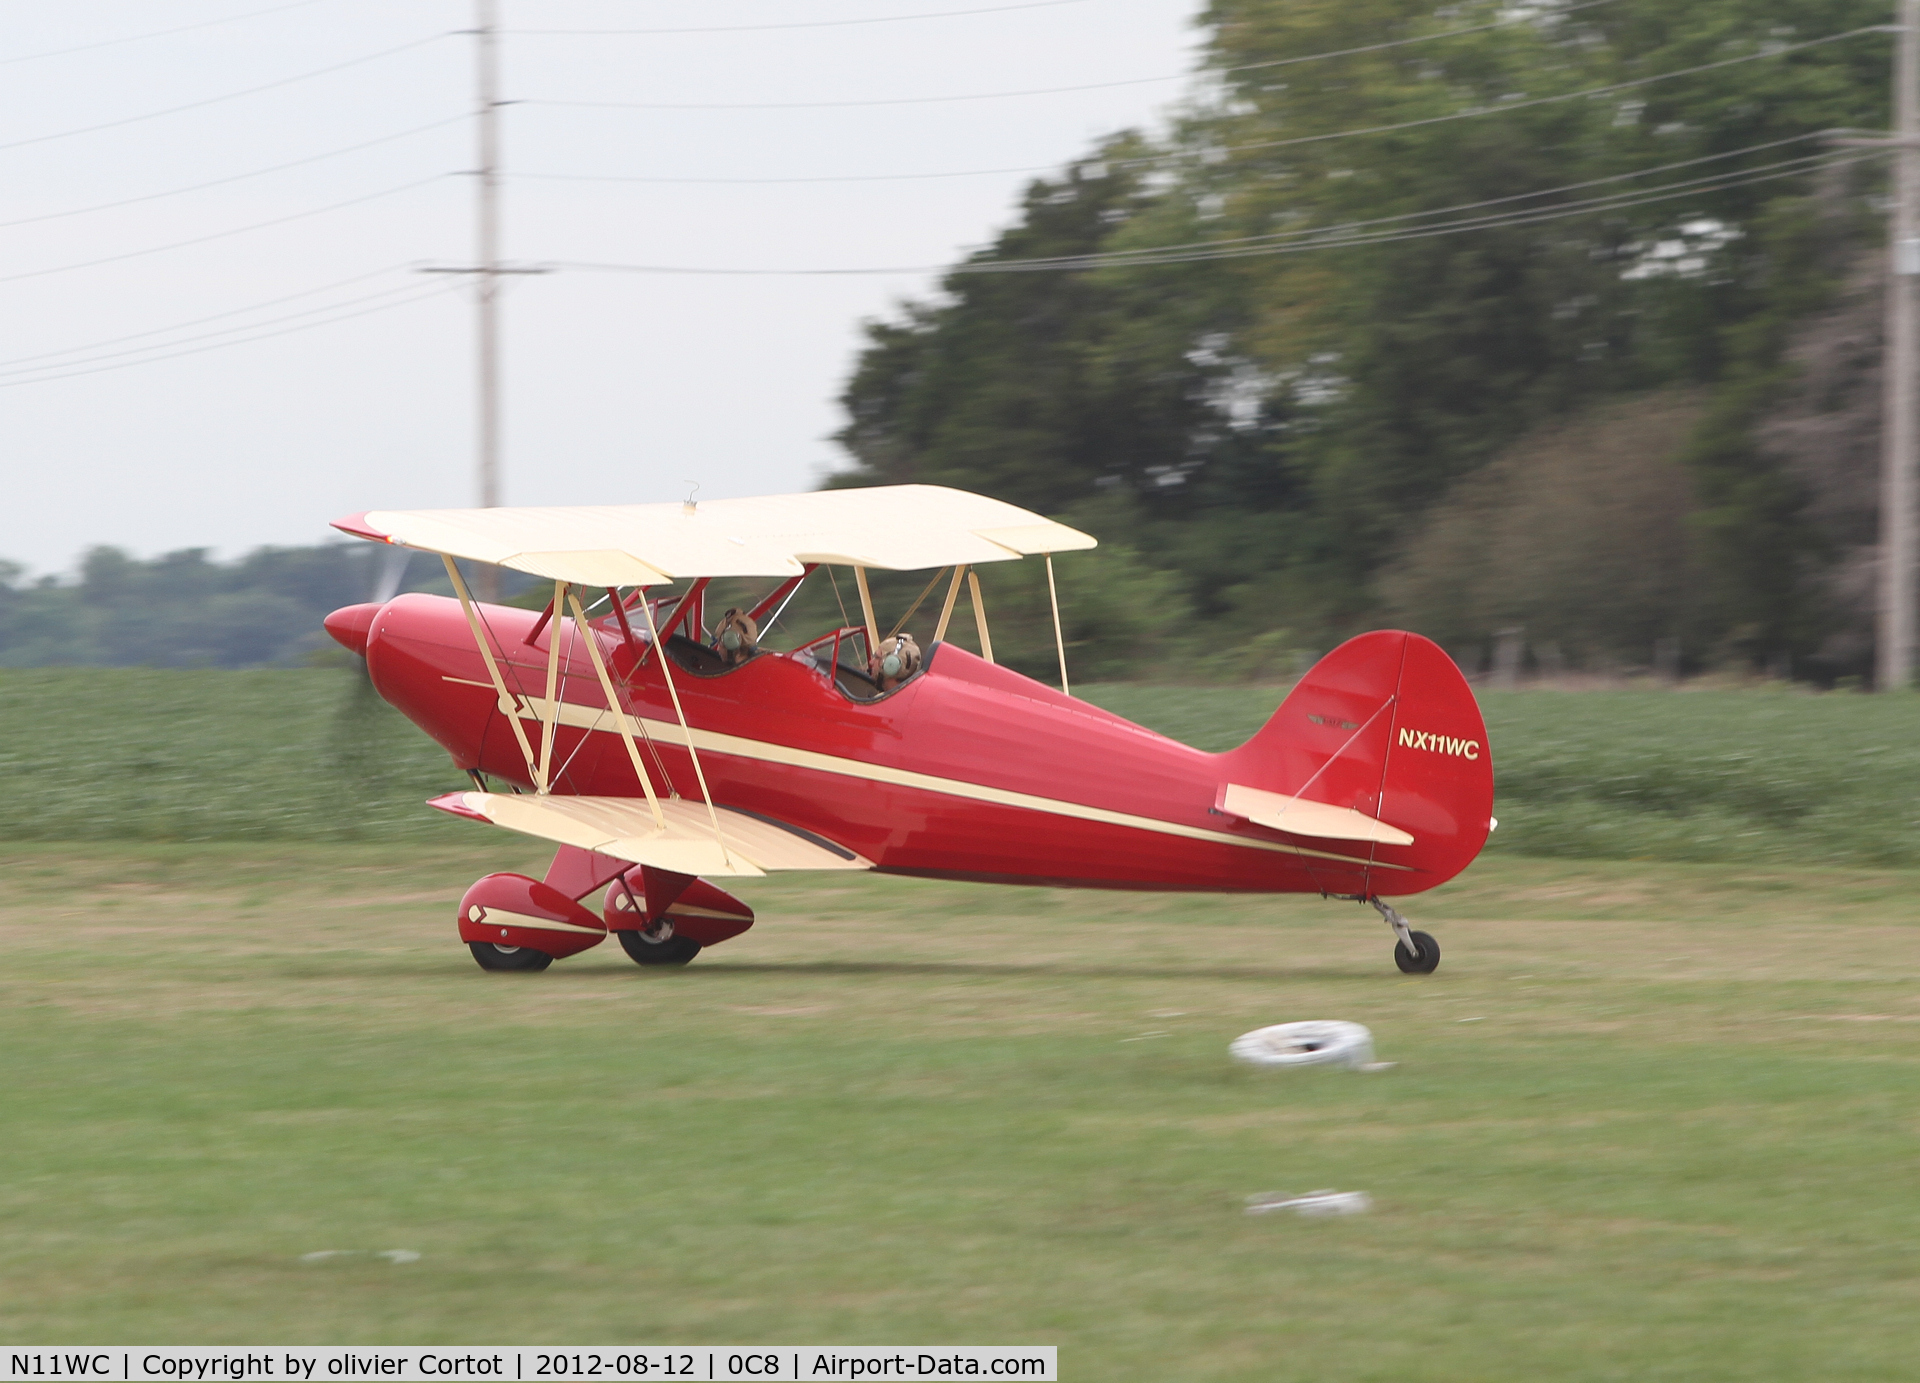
1649,1121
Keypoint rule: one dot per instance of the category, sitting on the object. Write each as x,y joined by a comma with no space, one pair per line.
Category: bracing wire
223,234
805,24
227,96
435,291
157,33
238,177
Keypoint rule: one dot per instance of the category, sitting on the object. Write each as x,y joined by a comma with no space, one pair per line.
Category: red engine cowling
513,910
699,911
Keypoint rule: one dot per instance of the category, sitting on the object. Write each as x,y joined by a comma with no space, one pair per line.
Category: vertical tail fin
1386,726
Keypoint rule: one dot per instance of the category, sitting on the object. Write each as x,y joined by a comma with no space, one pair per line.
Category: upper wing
1301,817
890,527
624,828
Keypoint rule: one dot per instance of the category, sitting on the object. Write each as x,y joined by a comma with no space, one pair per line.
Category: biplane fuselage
967,770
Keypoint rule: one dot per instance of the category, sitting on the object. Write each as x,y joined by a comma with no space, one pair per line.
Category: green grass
1753,776
144,754
1648,1122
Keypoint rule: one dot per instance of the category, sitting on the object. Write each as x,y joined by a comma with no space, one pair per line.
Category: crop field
1652,1119
1752,776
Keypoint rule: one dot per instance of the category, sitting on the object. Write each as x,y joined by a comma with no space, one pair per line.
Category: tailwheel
1416,953
492,957
1423,959
658,945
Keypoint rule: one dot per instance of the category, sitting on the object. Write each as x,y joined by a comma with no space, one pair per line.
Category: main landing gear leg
1417,953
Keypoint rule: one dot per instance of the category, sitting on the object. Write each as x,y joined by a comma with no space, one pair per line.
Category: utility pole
488,247
1894,631
487,271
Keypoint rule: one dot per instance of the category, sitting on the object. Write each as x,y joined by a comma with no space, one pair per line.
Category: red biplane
724,758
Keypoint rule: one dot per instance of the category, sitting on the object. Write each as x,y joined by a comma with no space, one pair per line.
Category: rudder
1387,726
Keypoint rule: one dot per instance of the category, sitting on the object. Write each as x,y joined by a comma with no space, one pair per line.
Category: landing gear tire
492,957
657,949
1424,959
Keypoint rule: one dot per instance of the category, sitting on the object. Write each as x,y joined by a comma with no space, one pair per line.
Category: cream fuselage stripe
495,917
591,718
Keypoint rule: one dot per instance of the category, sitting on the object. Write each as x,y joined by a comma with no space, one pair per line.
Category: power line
1182,255
1143,81
1036,91
729,182
236,177
433,292
808,24
1505,106
1118,256
157,33
406,287
1520,18
201,321
844,105
228,96
1043,168
1595,206
221,235
57,360
1342,234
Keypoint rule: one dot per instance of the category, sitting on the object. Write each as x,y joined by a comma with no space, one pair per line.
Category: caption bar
525,1363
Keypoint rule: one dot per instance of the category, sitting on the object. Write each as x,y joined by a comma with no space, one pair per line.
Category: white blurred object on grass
1318,1043
1313,1205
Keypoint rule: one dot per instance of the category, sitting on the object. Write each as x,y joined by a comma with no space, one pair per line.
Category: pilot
895,661
736,638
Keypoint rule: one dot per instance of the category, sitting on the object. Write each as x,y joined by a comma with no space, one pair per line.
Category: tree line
1547,316
185,609
1295,371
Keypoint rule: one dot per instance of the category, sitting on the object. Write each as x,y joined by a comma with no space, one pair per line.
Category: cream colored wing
624,828
888,527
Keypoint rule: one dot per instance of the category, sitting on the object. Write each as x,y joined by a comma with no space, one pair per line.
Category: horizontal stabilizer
624,827
1298,816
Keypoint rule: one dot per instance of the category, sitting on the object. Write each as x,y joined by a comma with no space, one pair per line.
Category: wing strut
946,611
1053,596
666,670
980,615
613,705
549,723
508,706
866,609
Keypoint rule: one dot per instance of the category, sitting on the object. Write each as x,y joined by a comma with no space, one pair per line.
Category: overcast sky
129,416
